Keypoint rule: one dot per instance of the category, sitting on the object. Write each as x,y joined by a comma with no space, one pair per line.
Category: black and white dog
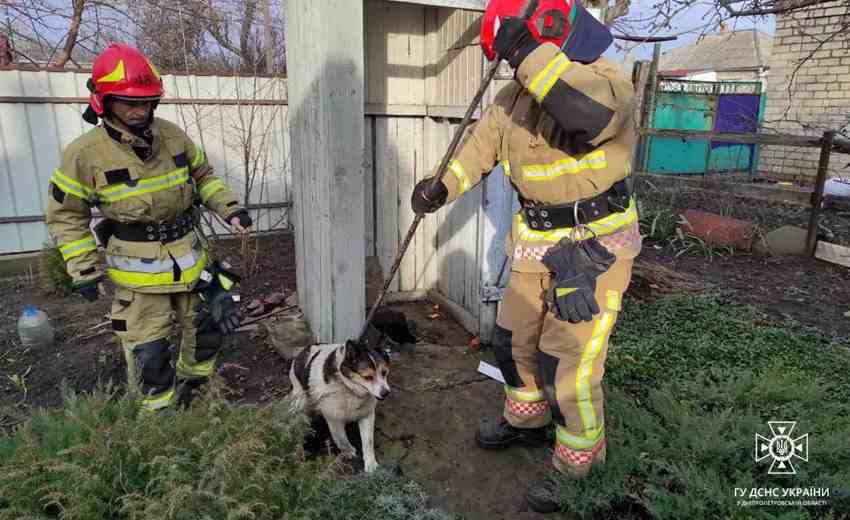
343,382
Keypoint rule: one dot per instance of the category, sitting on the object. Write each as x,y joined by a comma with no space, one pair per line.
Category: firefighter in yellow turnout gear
563,133
144,174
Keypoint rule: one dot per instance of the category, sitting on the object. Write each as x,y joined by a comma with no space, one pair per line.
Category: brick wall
743,75
819,94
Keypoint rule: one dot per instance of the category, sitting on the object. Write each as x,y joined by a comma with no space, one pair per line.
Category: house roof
474,5
726,51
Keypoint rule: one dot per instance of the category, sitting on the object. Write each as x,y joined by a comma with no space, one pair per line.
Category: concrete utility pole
324,43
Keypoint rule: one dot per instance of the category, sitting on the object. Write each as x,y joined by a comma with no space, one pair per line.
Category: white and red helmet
565,23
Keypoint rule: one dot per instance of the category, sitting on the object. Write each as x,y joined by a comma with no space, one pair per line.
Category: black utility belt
165,231
544,217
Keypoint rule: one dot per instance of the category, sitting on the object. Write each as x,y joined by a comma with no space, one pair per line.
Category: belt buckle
580,226
585,206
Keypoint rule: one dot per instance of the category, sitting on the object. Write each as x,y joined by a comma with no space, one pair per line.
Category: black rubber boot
542,494
499,434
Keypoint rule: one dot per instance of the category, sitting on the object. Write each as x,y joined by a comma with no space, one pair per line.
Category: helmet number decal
144,80
551,24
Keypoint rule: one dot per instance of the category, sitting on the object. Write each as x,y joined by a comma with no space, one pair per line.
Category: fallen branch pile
651,280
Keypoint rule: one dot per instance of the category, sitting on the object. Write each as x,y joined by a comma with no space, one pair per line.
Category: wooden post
325,63
640,79
649,103
817,196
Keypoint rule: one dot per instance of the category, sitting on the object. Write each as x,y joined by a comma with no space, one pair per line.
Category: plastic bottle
34,328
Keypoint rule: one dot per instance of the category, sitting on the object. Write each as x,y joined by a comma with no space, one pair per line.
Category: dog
343,382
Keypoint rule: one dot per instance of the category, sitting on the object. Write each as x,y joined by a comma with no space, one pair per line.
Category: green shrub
102,458
380,495
52,273
689,381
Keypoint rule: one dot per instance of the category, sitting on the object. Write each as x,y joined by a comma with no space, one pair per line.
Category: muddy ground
833,220
429,422
812,292
86,353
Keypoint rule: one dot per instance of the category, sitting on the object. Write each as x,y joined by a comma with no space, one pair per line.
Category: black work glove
575,267
574,299
244,217
89,290
221,314
424,200
514,41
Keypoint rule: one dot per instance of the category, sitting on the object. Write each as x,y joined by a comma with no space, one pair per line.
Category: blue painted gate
704,106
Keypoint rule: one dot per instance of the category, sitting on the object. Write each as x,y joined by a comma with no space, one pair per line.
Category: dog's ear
381,351
380,342
352,350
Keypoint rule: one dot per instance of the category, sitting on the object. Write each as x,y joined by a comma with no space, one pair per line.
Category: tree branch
618,10
245,33
73,32
787,7
215,30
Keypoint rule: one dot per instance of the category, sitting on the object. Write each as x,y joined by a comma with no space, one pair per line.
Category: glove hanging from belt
575,266
219,308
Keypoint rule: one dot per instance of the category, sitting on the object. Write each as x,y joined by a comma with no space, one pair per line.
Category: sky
693,18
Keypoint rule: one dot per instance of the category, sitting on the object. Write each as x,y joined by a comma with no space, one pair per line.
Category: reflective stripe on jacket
563,132
99,170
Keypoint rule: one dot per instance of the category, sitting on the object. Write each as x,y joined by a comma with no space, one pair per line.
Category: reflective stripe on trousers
137,272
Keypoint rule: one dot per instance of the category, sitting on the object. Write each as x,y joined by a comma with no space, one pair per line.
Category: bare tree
73,32
616,11
739,8
56,32
179,34
172,38
665,14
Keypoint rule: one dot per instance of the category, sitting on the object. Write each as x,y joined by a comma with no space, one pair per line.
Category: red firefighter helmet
566,23
123,71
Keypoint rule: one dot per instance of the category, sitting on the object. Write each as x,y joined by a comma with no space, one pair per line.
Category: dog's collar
358,390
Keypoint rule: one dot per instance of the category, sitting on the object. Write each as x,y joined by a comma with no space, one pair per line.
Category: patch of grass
101,458
52,273
656,211
689,382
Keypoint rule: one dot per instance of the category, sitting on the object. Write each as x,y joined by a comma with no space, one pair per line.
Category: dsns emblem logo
782,448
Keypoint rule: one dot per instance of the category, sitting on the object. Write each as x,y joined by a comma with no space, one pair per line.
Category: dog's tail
298,377
297,397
